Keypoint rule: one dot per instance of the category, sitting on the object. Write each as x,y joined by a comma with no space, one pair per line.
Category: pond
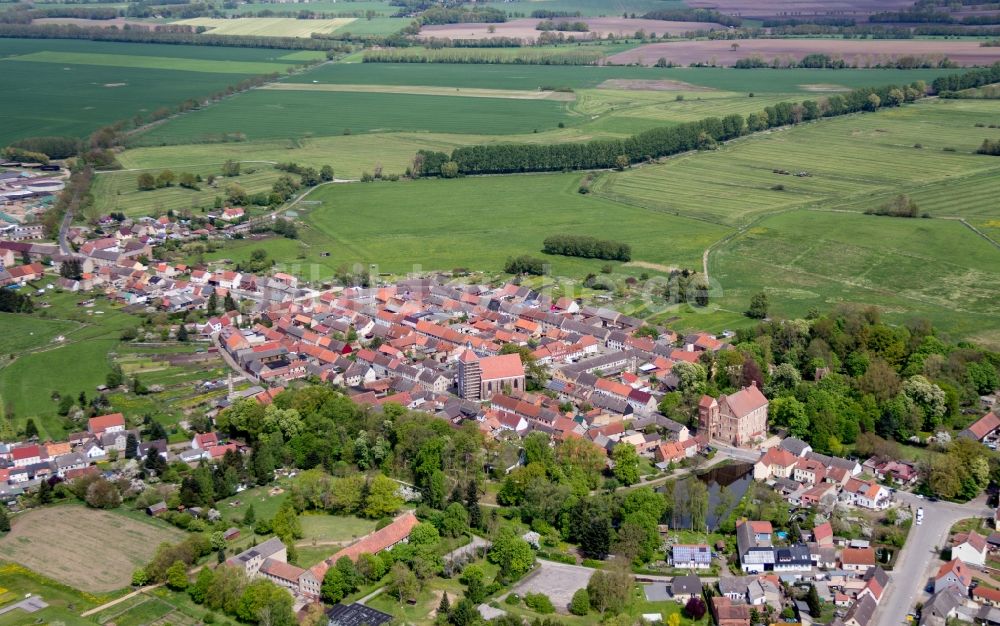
727,484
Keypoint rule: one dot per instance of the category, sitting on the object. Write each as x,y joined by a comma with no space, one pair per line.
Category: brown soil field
639,84
603,26
862,53
800,8
79,21
91,550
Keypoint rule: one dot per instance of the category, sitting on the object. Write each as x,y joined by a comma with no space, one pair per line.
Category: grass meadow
118,191
72,87
737,183
936,269
478,222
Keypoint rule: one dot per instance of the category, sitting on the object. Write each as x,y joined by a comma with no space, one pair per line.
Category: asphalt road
922,549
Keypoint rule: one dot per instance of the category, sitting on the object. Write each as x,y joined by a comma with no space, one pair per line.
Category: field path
108,605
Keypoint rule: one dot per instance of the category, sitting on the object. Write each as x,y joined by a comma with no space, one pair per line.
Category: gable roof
502,366
858,556
101,423
372,543
746,401
974,539
956,567
984,425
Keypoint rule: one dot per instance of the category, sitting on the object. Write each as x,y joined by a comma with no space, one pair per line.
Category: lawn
334,527
479,222
272,114
92,550
264,505
110,81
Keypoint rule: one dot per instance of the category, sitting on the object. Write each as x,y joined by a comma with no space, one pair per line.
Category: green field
118,191
65,603
937,269
589,8
479,222
737,183
72,87
267,26
26,332
288,114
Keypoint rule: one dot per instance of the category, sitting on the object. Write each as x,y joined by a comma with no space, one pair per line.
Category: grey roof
794,445
267,549
862,611
686,585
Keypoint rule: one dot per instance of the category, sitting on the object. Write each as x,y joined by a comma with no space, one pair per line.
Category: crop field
267,114
110,81
584,77
938,269
859,53
508,94
118,190
600,27
381,7
737,183
65,603
591,8
92,550
267,26
160,607
479,222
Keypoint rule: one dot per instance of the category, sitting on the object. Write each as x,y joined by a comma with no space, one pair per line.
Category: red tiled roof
101,423
746,401
503,366
372,543
985,425
974,539
957,567
858,556
284,571
25,452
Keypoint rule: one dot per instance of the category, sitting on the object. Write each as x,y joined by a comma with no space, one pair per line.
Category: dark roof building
356,615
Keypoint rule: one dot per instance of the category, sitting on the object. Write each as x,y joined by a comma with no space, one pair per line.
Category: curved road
922,549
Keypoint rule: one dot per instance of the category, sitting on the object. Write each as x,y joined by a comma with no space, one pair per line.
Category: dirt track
525,28
863,53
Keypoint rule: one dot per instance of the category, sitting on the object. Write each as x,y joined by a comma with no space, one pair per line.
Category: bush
540,603
580,604
512,599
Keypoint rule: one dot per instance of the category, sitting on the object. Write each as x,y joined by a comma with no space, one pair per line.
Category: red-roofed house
775,463
858,559
984,428
26,455
111,423
985,595
823,534
204,441
953,574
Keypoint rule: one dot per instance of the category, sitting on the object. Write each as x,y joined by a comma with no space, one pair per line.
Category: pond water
728,482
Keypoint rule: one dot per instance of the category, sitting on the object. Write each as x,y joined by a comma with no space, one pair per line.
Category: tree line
990,147
693,15
900,206
483,56
587,247
967,80
825,61
666,141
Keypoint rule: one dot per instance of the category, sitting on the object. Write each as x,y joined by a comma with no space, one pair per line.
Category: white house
970,548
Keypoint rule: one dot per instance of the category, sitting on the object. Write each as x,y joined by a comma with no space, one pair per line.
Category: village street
921,551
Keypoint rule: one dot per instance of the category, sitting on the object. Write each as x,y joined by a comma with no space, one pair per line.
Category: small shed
156,509
231,534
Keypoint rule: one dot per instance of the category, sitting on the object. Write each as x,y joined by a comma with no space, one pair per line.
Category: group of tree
166,178
693,15
900,206
587,247
12,301
524,264
21,155
563,25
666,141
990,147
228,590
462,15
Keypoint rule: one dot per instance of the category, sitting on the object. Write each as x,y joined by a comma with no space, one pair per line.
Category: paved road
922,549
28,605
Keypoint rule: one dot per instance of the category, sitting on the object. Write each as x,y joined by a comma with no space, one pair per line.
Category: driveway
28,605
559,581
921,553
